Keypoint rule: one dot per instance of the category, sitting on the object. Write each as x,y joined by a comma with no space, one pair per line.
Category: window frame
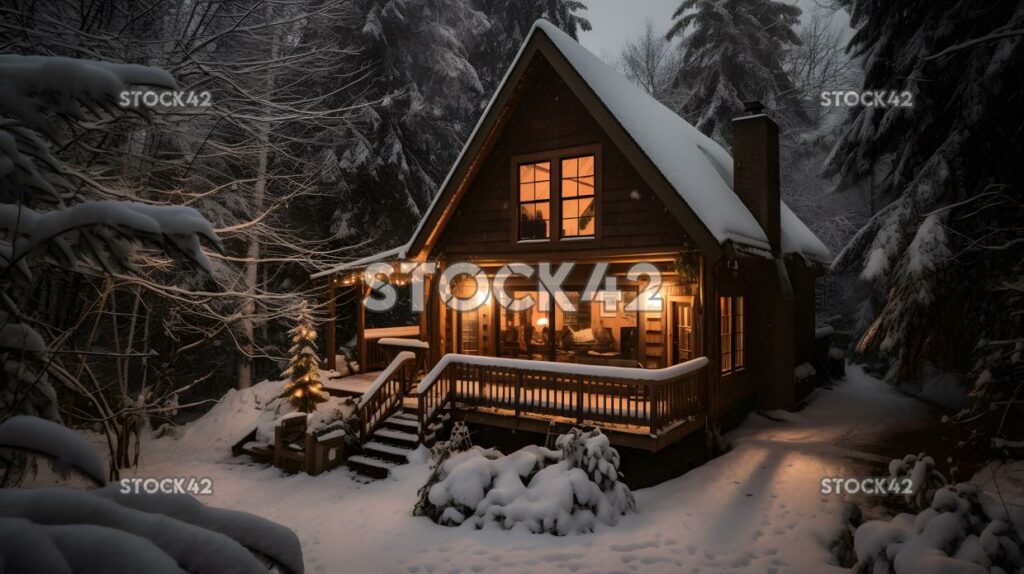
555,192
732,330
550,201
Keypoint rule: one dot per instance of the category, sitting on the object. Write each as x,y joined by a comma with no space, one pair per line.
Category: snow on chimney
755,152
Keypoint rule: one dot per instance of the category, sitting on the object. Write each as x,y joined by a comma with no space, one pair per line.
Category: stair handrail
384,396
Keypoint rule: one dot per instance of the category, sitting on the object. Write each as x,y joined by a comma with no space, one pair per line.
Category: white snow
67,448
536,490
682,369
21,337
755,509
964,531
804,371
408,343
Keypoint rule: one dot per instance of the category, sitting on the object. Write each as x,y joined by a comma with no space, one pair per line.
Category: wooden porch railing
650,398
376,355
384,397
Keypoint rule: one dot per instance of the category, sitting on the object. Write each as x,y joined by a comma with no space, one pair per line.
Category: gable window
731,329
577,196
535,200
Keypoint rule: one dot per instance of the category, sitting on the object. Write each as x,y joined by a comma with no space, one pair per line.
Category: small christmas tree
303,388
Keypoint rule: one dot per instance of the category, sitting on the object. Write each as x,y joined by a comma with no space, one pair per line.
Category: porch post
361,293
330,326
709,298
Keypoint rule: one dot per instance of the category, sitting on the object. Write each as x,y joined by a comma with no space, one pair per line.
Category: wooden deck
350,385
635,408
647,409
355,385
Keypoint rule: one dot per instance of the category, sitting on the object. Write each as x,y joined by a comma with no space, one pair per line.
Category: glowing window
578,199
731,332
535,200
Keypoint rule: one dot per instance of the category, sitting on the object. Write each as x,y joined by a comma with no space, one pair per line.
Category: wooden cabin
571,162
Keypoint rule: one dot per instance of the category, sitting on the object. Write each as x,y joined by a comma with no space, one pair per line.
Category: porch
646,409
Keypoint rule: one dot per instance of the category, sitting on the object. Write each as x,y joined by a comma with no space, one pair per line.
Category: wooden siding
549,117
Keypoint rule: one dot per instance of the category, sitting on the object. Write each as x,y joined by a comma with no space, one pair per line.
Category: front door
682,332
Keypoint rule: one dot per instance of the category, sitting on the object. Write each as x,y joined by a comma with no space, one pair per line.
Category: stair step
370,461
391,436
388,452
406,416
402,423
369,466
388,448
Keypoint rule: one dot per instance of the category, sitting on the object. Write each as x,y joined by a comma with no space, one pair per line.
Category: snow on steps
370,467
395,436
388,447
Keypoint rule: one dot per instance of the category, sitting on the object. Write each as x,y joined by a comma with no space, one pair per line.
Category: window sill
527,241
579,238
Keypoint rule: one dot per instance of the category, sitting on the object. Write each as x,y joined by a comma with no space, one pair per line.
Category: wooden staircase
389,429
388,446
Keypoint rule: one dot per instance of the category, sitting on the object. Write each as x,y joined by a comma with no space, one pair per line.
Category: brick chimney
755,153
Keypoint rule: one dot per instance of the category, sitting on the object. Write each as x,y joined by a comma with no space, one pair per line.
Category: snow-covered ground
755,509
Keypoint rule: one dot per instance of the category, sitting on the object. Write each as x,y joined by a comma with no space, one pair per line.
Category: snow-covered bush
963,531
540,490
114,530
26,387
924,477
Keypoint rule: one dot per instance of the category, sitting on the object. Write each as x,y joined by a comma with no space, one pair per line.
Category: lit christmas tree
303,388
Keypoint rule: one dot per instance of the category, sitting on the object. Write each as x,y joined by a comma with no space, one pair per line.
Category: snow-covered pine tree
510,20
421,96
303,388
940,262
733,51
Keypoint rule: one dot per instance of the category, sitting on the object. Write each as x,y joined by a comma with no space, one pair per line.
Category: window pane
569,188
586,165
578,181
570,208
544,211
586,225
526,192
569,168
586,185
570,227
534,196
543,171
542,190
586,207
534,221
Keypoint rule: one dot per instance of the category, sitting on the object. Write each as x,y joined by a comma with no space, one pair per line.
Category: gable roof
693,165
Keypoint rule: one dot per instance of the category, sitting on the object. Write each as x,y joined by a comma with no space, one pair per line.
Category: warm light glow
542,322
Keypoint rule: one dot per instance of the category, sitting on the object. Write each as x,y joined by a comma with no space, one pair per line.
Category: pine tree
940,261
304,389
734,52
510,21
421,96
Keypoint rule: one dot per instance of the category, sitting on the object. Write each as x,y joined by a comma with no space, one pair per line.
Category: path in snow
755,509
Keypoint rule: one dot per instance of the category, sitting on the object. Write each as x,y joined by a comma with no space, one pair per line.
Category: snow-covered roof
696,167
699,169
391,254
